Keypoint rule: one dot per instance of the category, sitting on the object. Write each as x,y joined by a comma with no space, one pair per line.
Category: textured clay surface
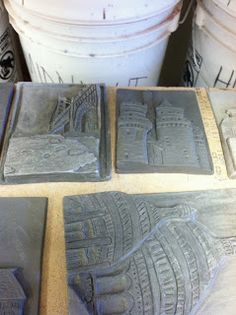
59,133
146,254
224,106
6,93
22,225
160,131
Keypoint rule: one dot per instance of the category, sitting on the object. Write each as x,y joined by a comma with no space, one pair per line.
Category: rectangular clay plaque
22,225
160,131
6,93
169,253
224,106
59,133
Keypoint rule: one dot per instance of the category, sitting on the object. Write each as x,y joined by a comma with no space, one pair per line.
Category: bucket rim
170,25
216,39
217,7
93,23
102,56
206,31
210,19
223,7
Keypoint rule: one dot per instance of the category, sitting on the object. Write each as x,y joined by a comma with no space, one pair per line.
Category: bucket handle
190,5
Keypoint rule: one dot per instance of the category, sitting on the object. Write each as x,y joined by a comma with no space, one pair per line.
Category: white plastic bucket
139,67
212,57
93,46
8,71
114,58
227,5
83,28
222,13
93,11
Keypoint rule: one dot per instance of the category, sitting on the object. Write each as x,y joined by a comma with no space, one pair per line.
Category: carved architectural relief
159,136
228,135
21,242
60,136
12,296
224,106
128,255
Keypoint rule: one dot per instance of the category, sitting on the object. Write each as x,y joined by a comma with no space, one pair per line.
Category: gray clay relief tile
22,228
59,133
6,93
148,254
12,295
224,106
160,131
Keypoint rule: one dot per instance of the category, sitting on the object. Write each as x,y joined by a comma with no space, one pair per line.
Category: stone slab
160,131
22,225
147,254
59,133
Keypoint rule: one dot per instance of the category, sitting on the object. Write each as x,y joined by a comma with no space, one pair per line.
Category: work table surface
54,287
